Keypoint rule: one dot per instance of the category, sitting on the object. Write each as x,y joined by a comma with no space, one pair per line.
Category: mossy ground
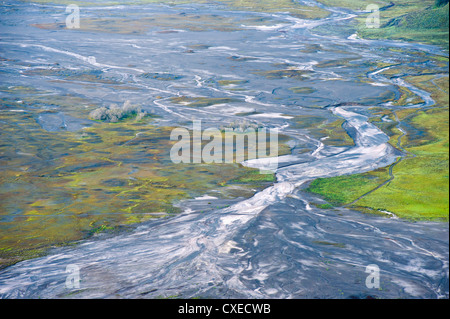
59,187
409,20
419,189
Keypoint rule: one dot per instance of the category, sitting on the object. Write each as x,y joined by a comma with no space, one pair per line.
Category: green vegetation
287,71
231,82
301,11
253,177
330,131
117,172
440,3
419,187
163,23
326,243
92,76
411,20
115,113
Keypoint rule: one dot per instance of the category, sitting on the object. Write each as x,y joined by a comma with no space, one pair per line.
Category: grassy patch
357,5
331,131
201,101
231,83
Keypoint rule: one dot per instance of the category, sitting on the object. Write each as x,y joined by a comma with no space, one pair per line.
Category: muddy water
274,244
